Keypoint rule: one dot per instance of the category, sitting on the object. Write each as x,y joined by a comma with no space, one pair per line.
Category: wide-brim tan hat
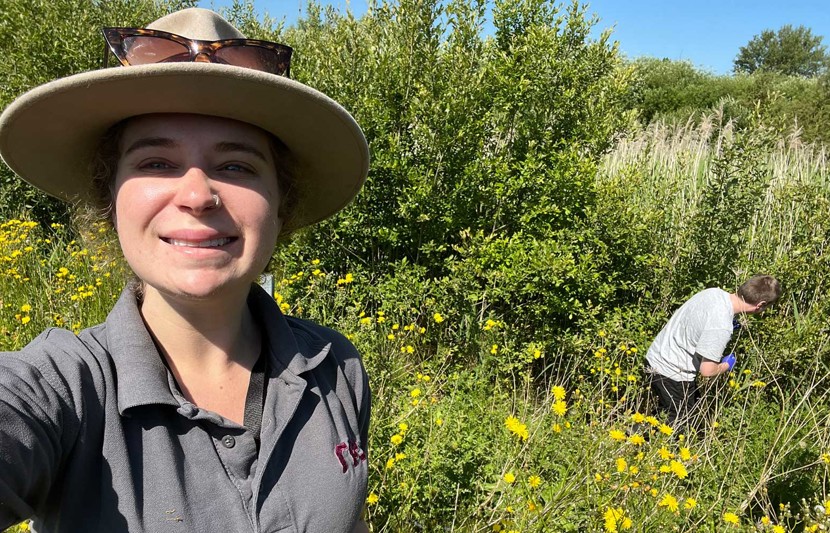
49,135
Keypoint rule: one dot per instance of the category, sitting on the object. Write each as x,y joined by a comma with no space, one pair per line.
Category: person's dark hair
760,288
105,163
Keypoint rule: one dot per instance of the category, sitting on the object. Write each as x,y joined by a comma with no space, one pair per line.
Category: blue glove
729,360
736,324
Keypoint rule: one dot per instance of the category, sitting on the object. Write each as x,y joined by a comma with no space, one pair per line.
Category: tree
791,51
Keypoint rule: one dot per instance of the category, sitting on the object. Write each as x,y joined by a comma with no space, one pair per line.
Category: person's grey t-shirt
702,325
95,435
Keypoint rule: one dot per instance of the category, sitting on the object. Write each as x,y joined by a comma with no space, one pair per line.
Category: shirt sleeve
37,413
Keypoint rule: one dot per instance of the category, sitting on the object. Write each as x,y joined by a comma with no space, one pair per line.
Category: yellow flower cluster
515,426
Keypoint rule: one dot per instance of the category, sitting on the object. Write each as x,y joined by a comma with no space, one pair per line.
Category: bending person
694,339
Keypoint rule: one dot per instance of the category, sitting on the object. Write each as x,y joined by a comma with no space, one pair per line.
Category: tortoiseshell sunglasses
140,46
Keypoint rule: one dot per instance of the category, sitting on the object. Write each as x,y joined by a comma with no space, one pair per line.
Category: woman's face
175,238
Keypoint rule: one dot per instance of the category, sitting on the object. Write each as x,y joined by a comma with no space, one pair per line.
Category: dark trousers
676,399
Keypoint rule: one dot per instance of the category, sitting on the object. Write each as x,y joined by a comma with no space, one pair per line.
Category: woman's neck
205,334
210,347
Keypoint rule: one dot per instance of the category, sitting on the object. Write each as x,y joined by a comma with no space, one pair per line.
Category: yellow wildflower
438,318
558,392
690,503
534,481
622,465
731,518
372,499
670,502
616,434
509,477
615,520
560,407
515,426
636,440
679,470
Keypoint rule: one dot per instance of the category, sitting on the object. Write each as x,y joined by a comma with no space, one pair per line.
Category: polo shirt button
228,441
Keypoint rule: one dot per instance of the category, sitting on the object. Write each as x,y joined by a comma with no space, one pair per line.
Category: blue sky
708,33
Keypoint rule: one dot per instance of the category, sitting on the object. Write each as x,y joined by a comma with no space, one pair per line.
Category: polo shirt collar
144,379
141,372
292,350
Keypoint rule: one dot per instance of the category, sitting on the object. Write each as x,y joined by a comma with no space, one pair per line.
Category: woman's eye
155,165
237,167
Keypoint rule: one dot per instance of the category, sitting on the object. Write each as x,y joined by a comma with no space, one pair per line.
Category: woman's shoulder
62,347
57,362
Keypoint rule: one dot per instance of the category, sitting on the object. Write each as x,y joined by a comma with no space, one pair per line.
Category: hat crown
197,23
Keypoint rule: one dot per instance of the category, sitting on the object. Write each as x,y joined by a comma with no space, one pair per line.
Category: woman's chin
202,288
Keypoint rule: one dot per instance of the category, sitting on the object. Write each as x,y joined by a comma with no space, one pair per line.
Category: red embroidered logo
349,450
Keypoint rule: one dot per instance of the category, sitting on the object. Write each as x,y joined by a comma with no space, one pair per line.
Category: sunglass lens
144,49
255,57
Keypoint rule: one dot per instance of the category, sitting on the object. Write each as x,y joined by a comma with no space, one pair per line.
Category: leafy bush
677,92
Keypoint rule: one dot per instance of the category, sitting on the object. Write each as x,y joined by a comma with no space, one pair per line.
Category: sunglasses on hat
140,46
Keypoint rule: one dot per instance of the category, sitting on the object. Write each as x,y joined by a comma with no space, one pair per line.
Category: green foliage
485,446
483,150
730,197
42,40
676,92
667,88
791,51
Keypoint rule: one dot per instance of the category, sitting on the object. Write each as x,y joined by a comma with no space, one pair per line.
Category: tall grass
667,169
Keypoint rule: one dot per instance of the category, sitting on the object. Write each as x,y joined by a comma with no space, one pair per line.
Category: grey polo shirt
95,436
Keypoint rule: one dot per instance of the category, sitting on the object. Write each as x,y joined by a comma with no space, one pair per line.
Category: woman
196,406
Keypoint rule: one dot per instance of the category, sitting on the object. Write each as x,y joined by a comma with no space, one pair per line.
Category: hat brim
49,135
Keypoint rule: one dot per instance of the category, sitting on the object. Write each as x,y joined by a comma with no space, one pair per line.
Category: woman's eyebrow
241,147
145,142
